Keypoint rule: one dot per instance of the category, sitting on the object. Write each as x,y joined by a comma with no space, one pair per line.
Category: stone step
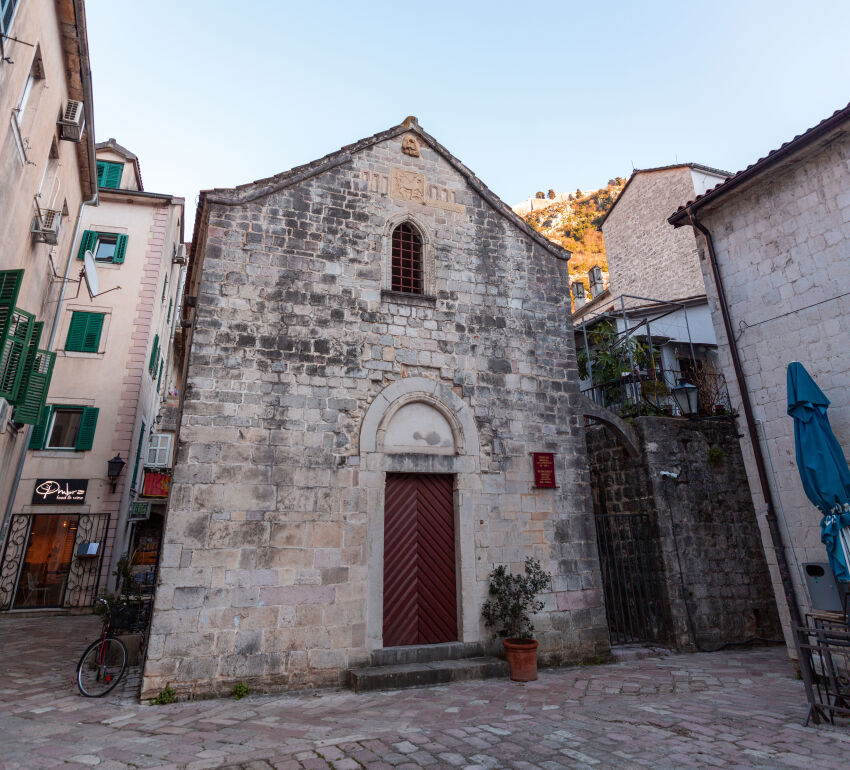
625,653
400,675
426,653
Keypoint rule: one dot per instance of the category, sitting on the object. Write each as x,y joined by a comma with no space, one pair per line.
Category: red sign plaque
156,484
544,470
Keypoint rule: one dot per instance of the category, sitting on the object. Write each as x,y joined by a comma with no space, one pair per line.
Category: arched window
407,259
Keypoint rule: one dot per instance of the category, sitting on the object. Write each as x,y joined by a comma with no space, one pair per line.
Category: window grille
407,260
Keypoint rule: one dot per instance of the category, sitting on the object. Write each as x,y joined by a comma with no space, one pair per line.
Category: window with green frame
109,174
7,10
139,449
84,332
106,247
154,354
170,306
65,427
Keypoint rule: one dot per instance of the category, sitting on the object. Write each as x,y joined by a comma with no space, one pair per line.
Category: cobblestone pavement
726,709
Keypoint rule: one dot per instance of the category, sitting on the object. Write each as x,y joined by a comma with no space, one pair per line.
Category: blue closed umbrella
822,465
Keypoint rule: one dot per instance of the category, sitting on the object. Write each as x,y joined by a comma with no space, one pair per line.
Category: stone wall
647,257
708,537
782,247
271,569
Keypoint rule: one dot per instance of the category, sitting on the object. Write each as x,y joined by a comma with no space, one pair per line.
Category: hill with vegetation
572,221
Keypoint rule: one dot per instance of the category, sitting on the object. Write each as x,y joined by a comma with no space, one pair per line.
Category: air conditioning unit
46,226
73,121
5,414
179,256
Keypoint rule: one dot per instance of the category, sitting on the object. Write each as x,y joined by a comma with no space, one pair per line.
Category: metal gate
83,576
420,589
633,578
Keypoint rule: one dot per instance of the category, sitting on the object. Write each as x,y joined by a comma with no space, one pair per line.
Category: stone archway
418,425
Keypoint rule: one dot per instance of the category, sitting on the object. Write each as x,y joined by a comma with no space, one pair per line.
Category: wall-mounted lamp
113,469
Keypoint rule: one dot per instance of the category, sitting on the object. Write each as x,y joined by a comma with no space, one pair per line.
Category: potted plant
513,599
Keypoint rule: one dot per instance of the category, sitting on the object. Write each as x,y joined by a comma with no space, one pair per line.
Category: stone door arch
418,425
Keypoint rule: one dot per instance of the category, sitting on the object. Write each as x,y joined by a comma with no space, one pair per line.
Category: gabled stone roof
263,187
693,166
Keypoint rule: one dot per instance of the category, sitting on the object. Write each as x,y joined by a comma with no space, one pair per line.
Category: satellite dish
90,272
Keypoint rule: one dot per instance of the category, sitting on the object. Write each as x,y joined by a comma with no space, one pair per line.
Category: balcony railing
651,393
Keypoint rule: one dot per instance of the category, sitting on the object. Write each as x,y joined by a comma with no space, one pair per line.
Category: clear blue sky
528,95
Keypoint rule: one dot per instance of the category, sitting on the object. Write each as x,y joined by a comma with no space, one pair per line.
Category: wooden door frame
464,465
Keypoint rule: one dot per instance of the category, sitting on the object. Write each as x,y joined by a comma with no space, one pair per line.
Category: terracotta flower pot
522,658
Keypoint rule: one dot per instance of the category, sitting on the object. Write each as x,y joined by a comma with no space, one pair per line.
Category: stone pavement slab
730,709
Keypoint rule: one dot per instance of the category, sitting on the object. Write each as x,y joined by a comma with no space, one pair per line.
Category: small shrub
513,598
166,696
240,690
715,454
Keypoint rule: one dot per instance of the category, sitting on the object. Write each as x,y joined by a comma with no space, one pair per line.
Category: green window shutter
39,430
87,243
29,363
10,285
154,351
88,422
138,455
109,174
76,331
112,175
164,287
120,249
170,305
159,378
13,354
84,332
31,405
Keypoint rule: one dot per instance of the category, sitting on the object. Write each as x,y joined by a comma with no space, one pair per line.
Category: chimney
595,278
579,297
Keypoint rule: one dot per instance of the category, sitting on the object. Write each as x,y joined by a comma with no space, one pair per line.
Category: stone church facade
378,345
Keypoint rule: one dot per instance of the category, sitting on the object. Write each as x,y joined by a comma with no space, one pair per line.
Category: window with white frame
159,450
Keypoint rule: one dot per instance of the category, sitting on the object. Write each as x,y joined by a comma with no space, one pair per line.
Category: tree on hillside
551,194
539,194
578,192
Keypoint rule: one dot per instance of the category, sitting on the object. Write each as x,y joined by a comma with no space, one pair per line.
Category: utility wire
743,325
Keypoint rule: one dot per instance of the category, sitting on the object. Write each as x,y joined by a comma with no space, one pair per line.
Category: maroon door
420,600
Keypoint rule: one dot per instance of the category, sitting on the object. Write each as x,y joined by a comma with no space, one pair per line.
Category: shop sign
156,484
59,491
544,470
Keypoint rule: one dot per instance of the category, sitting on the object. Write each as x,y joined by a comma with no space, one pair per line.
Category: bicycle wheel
101,667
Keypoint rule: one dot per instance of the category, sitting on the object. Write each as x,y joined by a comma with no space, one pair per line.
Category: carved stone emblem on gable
409,146
407,185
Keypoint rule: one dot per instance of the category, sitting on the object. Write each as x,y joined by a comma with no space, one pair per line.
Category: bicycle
104,661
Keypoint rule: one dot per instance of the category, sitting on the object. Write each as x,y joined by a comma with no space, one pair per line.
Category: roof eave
263,187
769,162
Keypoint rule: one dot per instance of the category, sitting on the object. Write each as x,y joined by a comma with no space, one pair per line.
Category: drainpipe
772,521
20,469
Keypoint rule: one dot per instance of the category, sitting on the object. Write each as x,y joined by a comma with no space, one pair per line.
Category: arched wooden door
420,587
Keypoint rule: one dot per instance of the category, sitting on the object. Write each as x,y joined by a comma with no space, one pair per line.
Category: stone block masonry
690,480
303,372
782,247
647,257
